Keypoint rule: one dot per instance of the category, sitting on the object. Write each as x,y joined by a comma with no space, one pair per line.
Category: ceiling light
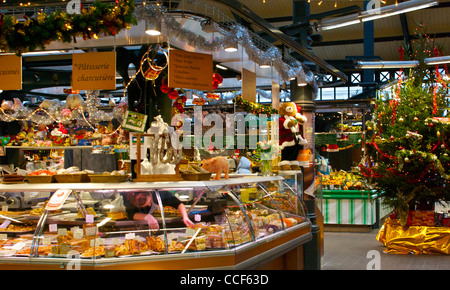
221,67
302,84
386,64
232,46
153,28
437,60
372,14
264,65
392,10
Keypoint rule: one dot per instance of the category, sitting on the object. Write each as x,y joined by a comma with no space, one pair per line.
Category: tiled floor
361,251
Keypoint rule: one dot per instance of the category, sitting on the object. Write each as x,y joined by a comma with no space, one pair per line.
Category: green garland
254,108
93,22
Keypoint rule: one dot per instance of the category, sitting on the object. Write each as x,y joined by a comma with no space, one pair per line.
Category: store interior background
343,97
47,73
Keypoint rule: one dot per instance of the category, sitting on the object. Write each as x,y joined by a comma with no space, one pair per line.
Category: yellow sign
10,72
94,71
190,70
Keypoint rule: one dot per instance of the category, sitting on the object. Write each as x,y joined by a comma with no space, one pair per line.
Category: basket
99,178
196,176
71,178
39,178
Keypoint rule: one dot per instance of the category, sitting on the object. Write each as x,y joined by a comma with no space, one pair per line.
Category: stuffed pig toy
216,165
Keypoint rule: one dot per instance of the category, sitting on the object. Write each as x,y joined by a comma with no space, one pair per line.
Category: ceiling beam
377,39
244,12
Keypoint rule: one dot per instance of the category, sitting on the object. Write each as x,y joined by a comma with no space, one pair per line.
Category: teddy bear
216,165
291,139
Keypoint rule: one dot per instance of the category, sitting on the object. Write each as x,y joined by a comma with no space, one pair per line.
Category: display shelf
48,147
23,187
349,207
234,232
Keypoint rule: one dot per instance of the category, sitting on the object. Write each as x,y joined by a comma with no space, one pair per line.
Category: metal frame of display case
248,255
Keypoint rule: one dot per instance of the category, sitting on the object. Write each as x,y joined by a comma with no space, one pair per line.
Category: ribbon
401,50
438,80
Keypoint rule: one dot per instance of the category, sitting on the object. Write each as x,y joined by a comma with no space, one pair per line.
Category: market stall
91,226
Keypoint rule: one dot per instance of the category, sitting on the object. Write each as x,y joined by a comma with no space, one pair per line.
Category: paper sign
134,121
58,198
94,71
190,70
10,72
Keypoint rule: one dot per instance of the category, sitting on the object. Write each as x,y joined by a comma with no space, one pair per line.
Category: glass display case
239,223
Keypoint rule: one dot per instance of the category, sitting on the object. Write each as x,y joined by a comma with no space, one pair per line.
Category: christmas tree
407,145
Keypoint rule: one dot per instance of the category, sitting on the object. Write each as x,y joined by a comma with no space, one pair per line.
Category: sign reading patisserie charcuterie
190,70
94,71
10,72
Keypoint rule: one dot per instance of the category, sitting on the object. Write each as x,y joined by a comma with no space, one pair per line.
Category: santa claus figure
291,139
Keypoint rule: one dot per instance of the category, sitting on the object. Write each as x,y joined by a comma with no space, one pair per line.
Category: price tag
89,219
5,224
78,235
4,208
197,217
3,236
46,241
190,232
62,232
116,241
19,246
58,198
130,236
53,227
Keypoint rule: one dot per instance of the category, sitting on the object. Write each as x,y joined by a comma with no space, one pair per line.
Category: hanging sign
275,95
94,71
10,72
190,70
248,85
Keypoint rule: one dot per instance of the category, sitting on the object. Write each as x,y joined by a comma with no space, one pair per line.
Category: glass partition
111,222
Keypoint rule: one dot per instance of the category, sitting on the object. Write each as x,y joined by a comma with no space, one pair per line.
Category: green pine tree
407,145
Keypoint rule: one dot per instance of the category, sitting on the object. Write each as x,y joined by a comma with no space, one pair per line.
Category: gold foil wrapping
414,239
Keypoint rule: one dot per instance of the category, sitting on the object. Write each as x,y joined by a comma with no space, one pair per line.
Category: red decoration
438,80
164,87
173,94
217,80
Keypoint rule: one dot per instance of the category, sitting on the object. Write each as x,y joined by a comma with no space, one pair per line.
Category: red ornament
164,88
218,78
173,94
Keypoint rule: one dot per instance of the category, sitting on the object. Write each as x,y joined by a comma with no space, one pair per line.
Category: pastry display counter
239,223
